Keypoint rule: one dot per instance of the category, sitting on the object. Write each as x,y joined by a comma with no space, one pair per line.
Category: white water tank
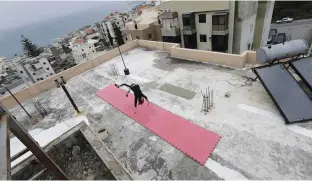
281,51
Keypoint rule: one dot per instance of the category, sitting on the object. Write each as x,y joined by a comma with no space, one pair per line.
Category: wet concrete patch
178,91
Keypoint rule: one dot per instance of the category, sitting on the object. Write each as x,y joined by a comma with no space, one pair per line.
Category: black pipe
18,101
126,70
69,97
121,55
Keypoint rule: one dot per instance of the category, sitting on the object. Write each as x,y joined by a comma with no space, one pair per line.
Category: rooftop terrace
255,143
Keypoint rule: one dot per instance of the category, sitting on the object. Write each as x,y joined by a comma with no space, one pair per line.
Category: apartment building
35,69
84,50
119,19
170,27
3,62
224,26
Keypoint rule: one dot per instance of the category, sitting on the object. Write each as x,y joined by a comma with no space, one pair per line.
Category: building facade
223,26
86,50
170,27
35,69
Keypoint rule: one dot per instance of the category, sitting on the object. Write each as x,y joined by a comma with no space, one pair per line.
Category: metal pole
209,99
32,145
121,55
69,97
18,102
5,161
212,97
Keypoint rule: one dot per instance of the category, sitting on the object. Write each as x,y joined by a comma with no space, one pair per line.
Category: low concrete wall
164,46
251,59
230,60
49,83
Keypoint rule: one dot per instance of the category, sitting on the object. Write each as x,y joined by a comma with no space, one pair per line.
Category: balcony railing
188,30
219,29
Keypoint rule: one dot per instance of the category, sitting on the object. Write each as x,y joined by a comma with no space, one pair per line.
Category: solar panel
303,68
290,99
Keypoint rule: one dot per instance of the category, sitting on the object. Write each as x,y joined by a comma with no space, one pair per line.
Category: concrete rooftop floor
255,143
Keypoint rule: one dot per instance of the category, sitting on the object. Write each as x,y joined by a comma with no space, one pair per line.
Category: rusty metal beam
32,145
5,161
19,154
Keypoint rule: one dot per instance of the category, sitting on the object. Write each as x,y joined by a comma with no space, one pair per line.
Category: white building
3,62
85,50
34,69
120,19
224,26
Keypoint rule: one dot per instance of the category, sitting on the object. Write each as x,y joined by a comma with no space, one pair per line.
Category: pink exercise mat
195,141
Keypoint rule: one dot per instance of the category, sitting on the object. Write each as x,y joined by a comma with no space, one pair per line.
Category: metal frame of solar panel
303,68
288,96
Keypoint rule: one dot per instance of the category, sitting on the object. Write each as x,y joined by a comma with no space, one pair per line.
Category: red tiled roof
79,41
88,30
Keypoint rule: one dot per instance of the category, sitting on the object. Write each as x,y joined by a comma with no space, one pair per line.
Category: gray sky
13,14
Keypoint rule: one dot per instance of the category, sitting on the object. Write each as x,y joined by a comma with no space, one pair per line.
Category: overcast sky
13,14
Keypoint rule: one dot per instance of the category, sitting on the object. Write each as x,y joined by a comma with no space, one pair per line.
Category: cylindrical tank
281,51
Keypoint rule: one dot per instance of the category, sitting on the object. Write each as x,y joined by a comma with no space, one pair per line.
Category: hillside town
175,22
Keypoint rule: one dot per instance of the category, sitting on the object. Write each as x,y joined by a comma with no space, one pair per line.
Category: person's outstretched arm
118,86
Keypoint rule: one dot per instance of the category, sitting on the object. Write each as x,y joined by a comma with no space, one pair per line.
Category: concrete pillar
231,22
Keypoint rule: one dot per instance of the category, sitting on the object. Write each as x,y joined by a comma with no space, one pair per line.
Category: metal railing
7,121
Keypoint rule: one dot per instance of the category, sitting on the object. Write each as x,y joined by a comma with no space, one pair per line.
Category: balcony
219,29
220,23
189,30
175,31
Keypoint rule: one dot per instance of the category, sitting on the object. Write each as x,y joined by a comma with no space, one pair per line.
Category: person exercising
139,96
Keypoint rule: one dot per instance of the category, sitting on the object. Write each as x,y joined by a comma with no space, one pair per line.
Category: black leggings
138,99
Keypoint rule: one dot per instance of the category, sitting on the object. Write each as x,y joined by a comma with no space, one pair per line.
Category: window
34,73
51,74
89,47
220,22
47,68
93,51
84,55
137,37
202,38
41,78
21,72
202,18
186,21
37,79
44,63
149,36
82,49
126,38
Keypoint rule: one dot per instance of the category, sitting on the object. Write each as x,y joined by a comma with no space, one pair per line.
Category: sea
44,32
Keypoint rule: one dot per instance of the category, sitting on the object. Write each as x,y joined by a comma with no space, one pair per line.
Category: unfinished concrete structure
255,143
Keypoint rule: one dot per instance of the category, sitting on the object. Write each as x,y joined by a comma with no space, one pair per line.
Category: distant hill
293,9
43,32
